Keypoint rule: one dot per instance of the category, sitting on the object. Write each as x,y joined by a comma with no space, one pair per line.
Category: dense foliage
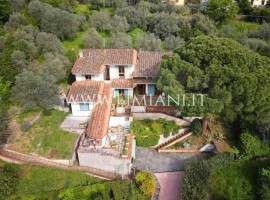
234,78
146,183
197,174
196,126
32,182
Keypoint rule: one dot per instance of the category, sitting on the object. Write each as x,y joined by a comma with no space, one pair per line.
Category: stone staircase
127,126
174,139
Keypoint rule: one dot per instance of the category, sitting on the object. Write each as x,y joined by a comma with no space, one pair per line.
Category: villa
103,75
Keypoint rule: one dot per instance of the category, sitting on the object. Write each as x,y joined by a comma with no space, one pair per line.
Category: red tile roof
122,83
92,61
85,91
148,62
99,122
130,83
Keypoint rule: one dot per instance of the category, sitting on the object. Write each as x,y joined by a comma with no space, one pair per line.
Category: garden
44,136
33,182
147,132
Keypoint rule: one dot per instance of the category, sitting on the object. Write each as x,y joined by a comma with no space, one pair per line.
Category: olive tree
120,40
148,42
36,90
119,24
100,21
93,40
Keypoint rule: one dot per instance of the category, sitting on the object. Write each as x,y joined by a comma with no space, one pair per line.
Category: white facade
76,110
94,77
259,2
114,73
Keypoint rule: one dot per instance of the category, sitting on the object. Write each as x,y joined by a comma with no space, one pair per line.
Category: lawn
35,182
76,43
82,9
148,131
240,28
45,137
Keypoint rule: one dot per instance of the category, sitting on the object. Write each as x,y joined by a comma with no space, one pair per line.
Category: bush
26,126
146,183
196,126
251,146
197,174
8,180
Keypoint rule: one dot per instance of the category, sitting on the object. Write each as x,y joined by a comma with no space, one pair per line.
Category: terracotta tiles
84,91
99,122
147,63
92,61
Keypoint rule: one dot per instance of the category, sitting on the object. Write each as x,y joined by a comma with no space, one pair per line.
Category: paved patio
74,124
148,159
170,185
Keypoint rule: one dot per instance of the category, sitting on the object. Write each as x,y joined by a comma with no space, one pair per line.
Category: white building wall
75,108
114,73
104,140
80,77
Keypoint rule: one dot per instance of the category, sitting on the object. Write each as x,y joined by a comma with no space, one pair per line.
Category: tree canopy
233,77
221,10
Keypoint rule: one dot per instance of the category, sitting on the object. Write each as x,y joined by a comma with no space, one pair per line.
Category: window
121,71
84,106
88,77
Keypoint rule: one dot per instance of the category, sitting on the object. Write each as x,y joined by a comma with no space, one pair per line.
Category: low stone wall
105,162
142,116
178,151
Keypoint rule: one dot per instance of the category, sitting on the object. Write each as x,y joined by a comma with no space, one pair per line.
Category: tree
171,42
49,43
221,10
18,59
16,20
46,14
120,40
100,21
245,6
36,90
164,24
17,5
146,183
251,146
56,65
136,17
233,77
119,24
118,3
93,39
148,42
5,10
196,126
201,24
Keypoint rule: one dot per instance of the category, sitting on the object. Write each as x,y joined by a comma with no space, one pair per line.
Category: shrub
197,174
146,183
26,126
251,146
8,180
196,126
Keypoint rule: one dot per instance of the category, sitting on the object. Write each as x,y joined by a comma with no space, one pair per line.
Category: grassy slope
46,135
42,179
